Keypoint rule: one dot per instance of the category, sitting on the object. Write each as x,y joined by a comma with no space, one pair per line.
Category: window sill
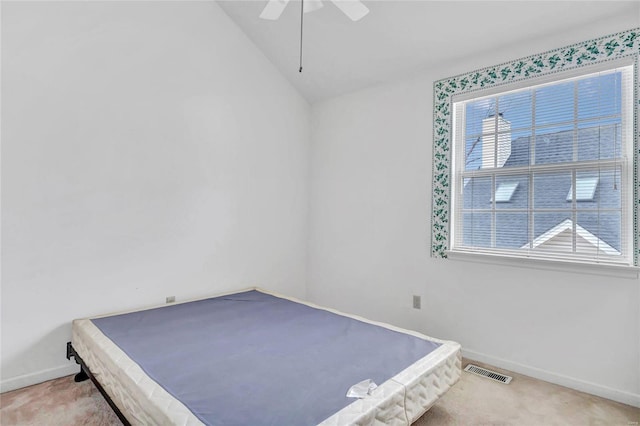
606,269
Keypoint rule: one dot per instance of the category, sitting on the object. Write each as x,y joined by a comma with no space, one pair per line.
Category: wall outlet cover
416,302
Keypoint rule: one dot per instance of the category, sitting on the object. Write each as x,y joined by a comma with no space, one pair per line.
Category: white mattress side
405,397
439,374
140,399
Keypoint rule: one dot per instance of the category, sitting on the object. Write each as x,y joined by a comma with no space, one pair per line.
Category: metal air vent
483,372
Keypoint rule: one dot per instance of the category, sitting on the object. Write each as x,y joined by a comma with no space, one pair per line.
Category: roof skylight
505,191
585,189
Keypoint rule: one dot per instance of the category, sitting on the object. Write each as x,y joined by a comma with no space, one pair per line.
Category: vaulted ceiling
400,38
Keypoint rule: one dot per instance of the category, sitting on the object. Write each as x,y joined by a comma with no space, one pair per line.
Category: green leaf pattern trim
624,44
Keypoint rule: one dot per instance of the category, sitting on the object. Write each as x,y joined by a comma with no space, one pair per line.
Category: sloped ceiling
400,38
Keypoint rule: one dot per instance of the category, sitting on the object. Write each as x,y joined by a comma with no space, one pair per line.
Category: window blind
545,170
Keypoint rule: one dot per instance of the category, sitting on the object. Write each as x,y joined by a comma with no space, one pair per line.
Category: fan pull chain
301,27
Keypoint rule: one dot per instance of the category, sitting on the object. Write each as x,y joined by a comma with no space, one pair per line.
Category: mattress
146,392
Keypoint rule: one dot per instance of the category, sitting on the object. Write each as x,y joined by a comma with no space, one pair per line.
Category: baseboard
558,379
38,377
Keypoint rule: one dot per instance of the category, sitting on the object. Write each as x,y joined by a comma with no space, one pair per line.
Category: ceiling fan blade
354,9
311,5
273,9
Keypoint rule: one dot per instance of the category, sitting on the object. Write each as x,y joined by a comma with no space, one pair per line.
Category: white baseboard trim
558,379
38,377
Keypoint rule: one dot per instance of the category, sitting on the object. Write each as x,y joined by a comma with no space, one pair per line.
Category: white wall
148,150
370,243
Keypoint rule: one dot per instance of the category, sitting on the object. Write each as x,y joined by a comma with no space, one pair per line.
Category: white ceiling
399,37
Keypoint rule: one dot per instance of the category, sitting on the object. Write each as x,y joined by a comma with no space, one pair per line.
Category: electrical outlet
416,302
171,299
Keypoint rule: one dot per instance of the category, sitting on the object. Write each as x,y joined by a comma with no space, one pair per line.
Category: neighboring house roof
562,233
550,192
557,147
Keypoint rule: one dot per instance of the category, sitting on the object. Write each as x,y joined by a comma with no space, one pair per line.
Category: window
505,191
544,170
585,189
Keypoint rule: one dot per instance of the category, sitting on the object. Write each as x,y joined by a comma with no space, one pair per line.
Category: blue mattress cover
255,359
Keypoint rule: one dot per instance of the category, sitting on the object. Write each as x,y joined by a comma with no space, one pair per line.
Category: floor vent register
483,372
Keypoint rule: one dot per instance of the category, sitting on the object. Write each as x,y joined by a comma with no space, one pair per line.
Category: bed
255,357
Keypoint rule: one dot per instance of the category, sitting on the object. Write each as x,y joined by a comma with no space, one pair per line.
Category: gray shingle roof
550,191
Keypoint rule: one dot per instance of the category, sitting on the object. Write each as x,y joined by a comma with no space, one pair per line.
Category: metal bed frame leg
85,374
81,376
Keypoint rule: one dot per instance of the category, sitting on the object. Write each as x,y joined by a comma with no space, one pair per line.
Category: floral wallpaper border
611,47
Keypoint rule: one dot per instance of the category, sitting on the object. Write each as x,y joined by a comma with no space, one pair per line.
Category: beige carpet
472,401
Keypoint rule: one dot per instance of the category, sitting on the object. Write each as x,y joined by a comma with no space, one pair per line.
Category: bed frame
400,400
85,374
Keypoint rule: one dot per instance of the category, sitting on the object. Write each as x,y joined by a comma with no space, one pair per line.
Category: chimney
495,129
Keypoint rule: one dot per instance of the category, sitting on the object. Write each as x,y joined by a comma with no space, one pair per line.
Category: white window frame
459,175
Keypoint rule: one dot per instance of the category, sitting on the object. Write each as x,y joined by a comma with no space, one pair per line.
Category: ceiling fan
354,9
